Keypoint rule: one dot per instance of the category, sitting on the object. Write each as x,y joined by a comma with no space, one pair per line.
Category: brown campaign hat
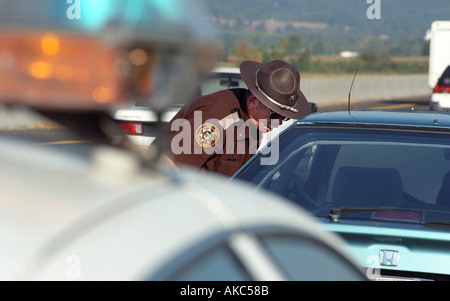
277,85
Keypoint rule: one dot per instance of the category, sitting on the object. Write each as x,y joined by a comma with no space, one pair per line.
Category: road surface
23,123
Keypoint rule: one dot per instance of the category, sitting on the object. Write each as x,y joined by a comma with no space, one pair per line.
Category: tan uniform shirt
213,133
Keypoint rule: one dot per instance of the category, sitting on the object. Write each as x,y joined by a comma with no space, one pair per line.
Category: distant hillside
327,26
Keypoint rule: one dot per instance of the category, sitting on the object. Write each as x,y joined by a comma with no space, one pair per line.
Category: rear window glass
324,169
444,80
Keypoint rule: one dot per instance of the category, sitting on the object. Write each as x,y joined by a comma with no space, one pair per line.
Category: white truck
439,60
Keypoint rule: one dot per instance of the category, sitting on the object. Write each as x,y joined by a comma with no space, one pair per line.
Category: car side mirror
313,107
229,83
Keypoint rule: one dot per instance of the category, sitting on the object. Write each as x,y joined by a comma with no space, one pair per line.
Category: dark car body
380,179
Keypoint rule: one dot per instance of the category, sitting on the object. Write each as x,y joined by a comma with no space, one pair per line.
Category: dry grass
396,59
401,59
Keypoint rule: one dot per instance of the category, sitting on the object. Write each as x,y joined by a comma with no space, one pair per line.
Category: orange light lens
40,70
59,70
50,44
73,71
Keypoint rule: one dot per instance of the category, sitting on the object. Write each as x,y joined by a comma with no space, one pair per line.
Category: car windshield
216,81
374,170
220,81
444,80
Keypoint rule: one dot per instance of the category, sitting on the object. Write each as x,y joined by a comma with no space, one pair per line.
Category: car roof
425,119
227,70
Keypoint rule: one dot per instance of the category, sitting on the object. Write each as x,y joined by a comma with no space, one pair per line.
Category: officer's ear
252,102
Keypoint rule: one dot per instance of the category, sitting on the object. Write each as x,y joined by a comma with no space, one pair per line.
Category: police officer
219,132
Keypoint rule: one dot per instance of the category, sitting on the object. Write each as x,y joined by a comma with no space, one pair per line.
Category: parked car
108,211
139,121
440,98
379,179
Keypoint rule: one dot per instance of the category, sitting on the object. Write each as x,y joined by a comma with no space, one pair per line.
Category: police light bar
69,70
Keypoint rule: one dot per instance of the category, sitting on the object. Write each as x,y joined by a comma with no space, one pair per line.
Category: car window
444,80
219,82
420,166
302,259
217,264
322,169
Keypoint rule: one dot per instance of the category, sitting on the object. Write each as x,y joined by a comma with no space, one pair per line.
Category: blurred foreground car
440,98
139,121
109,211
379,179
66,217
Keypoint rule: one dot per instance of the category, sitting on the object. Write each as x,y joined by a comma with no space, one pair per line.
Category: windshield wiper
336,213
436,223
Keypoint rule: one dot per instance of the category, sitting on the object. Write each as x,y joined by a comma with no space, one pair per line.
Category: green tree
243,50
294,52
